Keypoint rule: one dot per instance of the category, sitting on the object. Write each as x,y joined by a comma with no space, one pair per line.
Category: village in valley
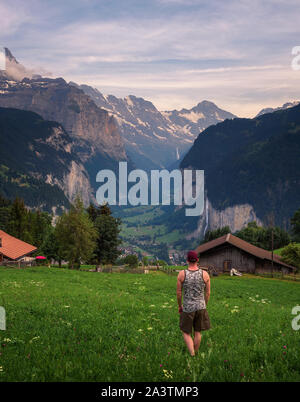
91,236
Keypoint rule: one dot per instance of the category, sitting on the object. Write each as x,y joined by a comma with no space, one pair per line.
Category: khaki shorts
199,320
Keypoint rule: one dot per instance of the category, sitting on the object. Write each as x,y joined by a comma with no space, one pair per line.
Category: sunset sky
174,53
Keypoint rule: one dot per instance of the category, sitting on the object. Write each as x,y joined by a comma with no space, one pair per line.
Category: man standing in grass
195,283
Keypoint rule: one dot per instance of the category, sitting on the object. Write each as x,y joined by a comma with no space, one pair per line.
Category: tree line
80,235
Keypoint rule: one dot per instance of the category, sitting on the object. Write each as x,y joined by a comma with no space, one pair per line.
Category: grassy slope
278,251
66,325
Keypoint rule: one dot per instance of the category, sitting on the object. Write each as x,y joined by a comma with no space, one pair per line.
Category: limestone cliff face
39,160
74,181
236,217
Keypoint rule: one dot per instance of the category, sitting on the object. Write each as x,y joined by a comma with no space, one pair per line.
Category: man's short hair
192,256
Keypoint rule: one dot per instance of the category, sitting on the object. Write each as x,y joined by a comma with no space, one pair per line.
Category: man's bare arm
179,289
207,287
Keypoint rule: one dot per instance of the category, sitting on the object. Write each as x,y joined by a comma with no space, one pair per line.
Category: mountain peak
15,70
9,56
206,103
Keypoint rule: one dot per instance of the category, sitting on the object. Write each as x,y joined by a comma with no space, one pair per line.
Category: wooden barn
229,251
12,249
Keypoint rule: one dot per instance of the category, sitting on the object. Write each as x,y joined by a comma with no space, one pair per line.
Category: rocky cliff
38,162
236,217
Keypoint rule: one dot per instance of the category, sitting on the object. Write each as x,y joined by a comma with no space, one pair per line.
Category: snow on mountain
271,110
155,139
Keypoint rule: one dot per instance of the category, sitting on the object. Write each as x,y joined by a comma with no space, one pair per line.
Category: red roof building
12,248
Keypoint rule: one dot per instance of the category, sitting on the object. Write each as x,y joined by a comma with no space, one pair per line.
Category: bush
291,254
132,260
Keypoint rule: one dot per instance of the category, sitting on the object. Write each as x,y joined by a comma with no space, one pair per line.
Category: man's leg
197,340
189,343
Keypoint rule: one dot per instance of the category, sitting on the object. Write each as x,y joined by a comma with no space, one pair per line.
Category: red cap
192,256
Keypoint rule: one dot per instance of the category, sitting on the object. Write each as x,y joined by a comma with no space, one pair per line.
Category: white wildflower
34,339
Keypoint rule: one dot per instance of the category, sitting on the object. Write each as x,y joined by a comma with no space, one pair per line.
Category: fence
277,275
18,264
120,269
169,270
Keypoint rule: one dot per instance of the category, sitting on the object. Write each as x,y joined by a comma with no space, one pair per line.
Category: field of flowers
65,325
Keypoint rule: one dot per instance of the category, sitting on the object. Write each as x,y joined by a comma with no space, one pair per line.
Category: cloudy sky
176,53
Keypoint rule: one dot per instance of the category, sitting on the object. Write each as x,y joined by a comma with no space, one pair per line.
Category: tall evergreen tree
18,220
108,240
76,235
40,227
5,206
295,222
93,212
50,247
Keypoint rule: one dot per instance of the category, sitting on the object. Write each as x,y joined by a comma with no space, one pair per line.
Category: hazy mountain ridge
283,107
198,118
155,139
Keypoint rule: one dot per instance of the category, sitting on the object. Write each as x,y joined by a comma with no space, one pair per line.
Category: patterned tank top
194,291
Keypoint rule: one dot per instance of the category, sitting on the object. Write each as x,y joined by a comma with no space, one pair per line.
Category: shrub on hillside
291,254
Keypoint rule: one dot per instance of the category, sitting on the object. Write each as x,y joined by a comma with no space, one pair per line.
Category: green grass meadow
65,325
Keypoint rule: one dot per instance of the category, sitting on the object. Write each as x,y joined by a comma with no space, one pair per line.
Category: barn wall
239,259
266,267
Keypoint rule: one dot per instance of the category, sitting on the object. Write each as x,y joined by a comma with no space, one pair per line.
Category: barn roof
243,245
14,248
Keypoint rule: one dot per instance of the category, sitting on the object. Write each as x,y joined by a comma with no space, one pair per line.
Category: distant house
12,249
229,251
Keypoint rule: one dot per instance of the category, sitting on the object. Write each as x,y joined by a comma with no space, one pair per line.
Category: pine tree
40,227
76,235
108,240
18,220
93,212
50,247
5,206
295,222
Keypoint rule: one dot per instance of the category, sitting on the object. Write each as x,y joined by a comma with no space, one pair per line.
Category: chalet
229,251
12,249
